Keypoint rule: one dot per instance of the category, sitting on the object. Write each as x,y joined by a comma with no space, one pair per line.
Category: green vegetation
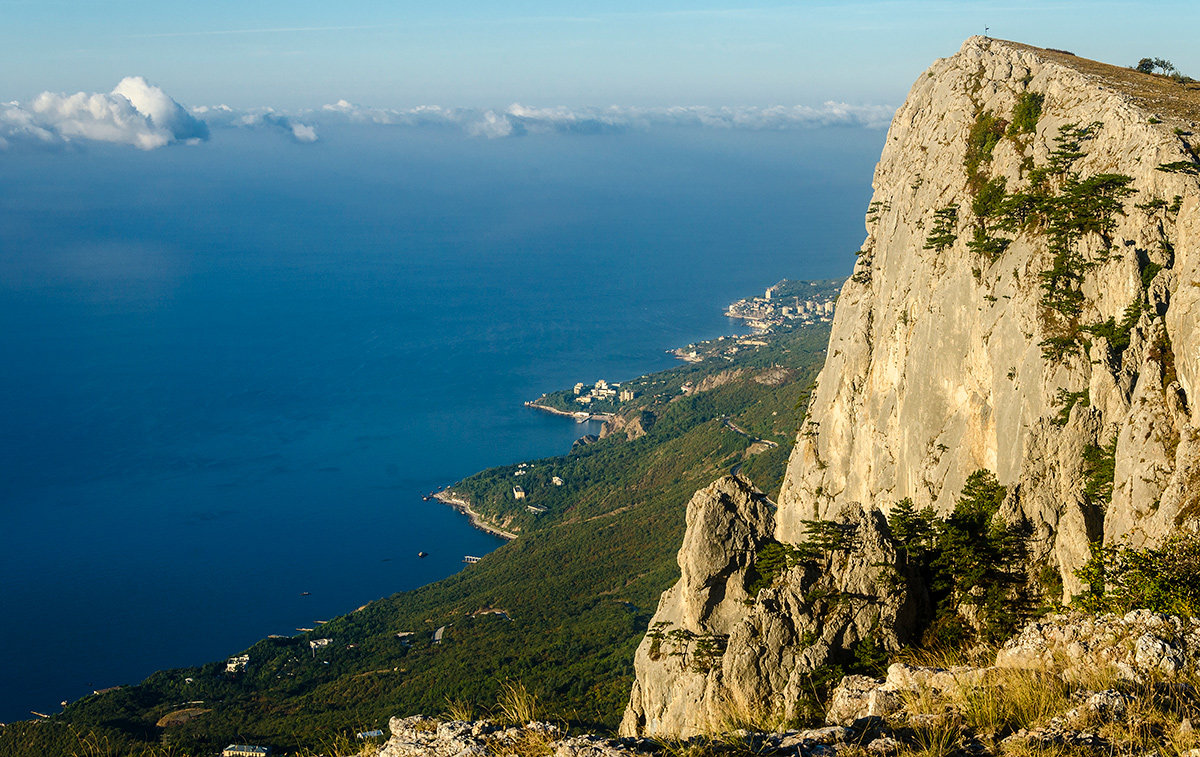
1162,67
1117,334
986,132
1066,207
1065,401
1025,114
987,203
945,222
770,562
973,562
1099,470
1180,166
1165,579
577,589
1155,65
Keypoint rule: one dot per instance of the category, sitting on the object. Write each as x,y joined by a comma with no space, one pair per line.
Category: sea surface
230,371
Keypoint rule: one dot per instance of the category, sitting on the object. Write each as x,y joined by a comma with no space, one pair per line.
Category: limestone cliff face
728,648
973,334
935,365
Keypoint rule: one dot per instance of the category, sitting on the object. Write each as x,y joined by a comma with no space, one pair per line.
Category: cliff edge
1025,302
971,336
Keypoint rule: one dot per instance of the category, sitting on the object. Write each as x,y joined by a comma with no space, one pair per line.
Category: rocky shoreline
579,416
453,499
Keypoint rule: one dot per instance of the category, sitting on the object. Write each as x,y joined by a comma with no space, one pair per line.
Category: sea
230,372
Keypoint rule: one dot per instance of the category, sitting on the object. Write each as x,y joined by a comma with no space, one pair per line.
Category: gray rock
1139,645
858,697
935,366
773,639
420,736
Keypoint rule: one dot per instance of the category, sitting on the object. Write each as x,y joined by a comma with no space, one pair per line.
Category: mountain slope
1025,303
945,359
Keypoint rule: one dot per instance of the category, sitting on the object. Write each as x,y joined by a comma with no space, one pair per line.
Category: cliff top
1160,95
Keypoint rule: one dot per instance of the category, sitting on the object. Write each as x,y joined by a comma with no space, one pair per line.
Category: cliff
1025,302
941,357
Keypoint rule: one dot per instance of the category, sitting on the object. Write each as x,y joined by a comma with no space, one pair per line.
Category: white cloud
140,114
135,113
520,119
162,111
218,116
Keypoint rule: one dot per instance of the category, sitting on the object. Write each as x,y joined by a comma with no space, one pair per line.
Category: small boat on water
305,593
422,554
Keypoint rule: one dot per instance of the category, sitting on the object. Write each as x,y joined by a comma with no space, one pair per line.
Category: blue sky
304,53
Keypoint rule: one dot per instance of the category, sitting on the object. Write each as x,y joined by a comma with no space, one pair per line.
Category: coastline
449,497
579,416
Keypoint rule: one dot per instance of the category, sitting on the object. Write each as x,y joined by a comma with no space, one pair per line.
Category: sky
295,54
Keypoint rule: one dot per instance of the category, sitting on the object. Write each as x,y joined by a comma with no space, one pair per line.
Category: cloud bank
518,119
223,116
142,115
135,113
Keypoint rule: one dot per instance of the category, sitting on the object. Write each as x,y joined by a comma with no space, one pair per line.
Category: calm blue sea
229,371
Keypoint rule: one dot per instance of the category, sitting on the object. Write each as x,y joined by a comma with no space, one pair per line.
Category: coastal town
787,302
782,307
585,402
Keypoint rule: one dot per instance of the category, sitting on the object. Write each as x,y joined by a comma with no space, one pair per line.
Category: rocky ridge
729,645
936,363
952,351
1090,676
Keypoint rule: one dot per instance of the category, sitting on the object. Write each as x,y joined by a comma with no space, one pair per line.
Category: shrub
1099,471
1154,65
1026,113
1066,401
1164,579
771,560
985,134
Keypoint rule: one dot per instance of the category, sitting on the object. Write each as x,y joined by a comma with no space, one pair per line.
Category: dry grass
938,658
341,745
517,705
529,743
1019,699
1160,95
721,745
459,709
937,736
92,745
1151,722
740,717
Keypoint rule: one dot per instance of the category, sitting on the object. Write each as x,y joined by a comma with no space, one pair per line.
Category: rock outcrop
1027,300
1098,665
421,736
735,640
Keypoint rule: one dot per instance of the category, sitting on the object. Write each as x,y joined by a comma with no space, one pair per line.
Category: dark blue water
230,371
